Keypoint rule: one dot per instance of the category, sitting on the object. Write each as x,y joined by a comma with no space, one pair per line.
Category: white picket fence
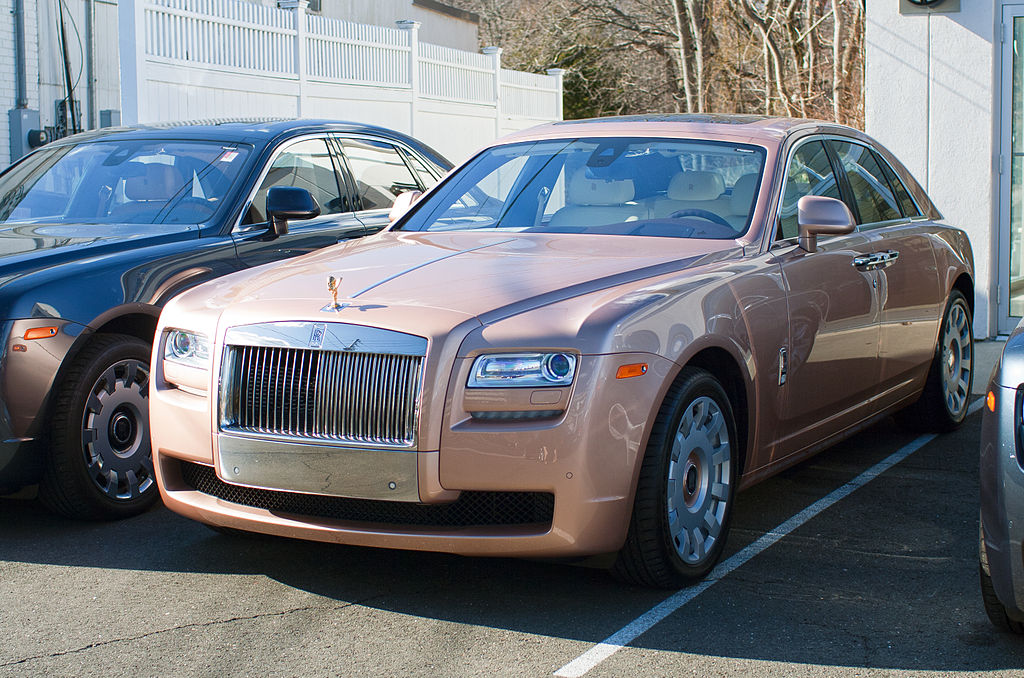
202,59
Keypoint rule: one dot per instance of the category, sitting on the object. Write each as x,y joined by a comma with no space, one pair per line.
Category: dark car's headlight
497,370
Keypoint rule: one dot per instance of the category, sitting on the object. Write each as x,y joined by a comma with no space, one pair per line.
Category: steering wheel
701,214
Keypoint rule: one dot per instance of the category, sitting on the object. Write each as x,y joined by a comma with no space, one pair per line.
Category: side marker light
633,370
990,401
40,333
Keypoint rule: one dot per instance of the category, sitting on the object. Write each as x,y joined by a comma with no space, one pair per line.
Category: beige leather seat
690,189
741,200
594,202
148,192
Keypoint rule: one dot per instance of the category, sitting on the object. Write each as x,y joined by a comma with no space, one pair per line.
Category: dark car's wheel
686,486
99,465
944,401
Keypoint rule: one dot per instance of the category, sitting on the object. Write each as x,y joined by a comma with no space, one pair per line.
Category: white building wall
437,27
930,97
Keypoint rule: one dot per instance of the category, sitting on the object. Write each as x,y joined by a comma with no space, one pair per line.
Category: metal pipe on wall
21,89
90,64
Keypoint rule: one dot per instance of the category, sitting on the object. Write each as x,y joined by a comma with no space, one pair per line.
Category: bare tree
781,57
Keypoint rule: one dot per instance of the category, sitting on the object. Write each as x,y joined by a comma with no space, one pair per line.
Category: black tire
943,404
994,609
655,554
99,465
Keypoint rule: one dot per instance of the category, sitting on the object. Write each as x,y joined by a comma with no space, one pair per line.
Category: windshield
619,186
128,182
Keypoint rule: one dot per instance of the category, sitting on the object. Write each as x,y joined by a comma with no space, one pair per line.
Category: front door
310,164
833,366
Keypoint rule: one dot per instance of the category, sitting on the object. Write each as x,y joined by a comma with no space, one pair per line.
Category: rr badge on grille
332,286
316,337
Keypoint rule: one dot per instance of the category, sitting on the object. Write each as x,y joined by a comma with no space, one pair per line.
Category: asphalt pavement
881,582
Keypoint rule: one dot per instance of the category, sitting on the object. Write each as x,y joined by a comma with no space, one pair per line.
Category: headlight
522,369
187,348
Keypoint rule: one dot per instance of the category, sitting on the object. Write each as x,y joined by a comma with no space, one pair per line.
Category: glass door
1011,199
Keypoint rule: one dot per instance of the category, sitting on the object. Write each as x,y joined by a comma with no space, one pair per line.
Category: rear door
910,297
380,171
310,163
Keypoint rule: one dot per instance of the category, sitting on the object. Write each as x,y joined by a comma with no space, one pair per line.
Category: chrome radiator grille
321,395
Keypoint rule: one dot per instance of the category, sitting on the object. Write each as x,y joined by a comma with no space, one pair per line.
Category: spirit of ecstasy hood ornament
332,286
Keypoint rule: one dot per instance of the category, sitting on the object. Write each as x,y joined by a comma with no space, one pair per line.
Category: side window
306,164
902,194
427,179
379,172
809,173
871,192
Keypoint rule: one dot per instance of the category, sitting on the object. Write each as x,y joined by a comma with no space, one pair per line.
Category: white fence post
131,44
495,54
413,28
298,8
559,75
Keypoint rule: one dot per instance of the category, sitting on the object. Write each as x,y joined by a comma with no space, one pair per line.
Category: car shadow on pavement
886,579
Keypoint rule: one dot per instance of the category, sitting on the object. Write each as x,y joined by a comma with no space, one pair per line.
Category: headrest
691,185
743,194
582,190
156,182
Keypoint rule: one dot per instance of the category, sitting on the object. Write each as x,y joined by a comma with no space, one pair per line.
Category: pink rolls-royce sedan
583,341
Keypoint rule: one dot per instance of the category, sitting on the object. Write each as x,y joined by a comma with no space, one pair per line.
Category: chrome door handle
888,258
867,262
871,262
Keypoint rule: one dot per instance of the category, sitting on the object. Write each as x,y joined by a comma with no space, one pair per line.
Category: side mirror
285,203
817,214
402,204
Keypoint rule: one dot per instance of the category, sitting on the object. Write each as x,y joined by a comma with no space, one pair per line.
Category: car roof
253,131
750,127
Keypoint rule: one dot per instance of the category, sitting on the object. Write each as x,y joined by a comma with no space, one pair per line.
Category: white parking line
628,633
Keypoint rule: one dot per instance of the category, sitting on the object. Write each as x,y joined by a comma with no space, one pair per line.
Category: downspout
21,89
90,61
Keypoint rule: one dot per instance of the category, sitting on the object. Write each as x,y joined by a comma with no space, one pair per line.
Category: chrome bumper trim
358,473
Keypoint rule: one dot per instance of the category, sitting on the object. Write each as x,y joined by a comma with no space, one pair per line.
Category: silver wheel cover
115,431
699,477
957,359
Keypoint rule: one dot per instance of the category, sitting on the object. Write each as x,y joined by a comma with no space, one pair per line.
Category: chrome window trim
776,212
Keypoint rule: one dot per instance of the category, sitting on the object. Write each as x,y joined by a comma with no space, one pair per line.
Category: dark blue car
99,230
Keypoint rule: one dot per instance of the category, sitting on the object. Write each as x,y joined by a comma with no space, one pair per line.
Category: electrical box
23,121
110,117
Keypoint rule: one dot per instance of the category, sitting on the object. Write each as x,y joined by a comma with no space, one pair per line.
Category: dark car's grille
472,509
322,395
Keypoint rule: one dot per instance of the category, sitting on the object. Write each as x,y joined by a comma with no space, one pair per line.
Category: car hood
487,275
32,245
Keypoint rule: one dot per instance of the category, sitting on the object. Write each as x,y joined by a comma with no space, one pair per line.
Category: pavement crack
180,627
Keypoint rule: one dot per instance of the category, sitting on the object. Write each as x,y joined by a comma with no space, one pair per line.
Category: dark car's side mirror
817,214
288,203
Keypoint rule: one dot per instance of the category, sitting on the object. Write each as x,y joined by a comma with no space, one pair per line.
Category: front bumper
548,488
1002,500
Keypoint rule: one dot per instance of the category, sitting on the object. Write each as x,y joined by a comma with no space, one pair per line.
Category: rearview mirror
402,204
817,214
285,203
